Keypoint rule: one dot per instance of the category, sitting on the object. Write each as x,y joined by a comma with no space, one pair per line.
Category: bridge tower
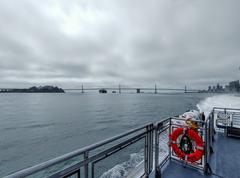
138,90
82,89
155,90
119,88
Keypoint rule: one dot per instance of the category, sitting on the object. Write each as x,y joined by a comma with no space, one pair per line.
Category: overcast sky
107,42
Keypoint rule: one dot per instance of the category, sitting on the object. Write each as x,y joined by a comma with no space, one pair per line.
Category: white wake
225,101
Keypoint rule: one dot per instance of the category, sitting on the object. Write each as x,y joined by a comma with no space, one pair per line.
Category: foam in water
225,101
122,170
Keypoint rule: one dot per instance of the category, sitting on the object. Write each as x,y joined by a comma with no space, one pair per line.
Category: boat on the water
102,90
184,146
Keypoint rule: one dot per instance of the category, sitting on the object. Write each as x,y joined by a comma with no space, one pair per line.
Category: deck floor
225,161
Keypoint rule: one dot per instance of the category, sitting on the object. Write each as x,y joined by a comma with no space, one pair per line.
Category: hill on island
34,89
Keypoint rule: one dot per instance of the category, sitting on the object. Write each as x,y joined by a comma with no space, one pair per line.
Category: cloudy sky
107,42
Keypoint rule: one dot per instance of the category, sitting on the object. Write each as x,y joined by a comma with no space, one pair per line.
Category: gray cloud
168,42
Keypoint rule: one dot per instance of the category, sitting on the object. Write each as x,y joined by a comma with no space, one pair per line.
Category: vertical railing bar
148,150
152,145
148,160
157,171
92,166
145,154
212,128
86,154
210,131
156,150
206,148
151,151
169,133
78,173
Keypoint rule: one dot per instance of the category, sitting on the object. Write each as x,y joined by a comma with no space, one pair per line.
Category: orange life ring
199,147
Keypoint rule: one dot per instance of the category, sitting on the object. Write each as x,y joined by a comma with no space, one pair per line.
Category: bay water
38,127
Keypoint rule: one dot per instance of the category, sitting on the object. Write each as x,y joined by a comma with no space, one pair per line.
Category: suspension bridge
120,88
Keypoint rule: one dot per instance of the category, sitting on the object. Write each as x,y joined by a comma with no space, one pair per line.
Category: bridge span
137,89
119,89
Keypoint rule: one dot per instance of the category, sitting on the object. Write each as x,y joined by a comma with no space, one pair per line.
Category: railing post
86,165
157,170
148,153
151,147
213,123
207,147
169,133
212,133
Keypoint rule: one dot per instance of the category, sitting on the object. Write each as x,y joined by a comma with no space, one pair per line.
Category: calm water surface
38,127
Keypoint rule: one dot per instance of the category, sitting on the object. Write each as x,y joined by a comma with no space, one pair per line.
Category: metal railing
227,120
156,151
226,117
166,127
85,167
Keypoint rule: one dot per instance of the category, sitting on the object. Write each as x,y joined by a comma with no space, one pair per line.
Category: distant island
34,89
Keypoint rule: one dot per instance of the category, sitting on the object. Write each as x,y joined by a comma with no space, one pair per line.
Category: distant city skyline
106,43
232,86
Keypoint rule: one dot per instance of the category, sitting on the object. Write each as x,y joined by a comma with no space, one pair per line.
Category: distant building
218,88
234,86
226,88
214,88
209,88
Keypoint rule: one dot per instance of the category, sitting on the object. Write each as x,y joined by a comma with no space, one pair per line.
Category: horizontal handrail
184,119
162,121
103,153
52,162
236,109
227,122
